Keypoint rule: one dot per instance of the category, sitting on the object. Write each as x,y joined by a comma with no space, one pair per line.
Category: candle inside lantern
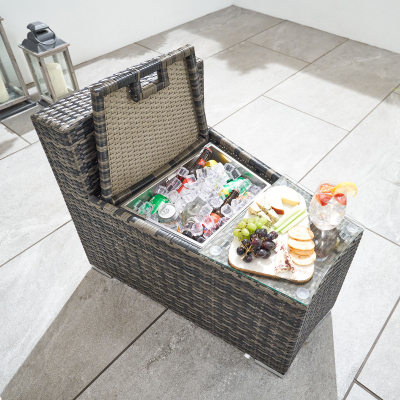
4,96
57,79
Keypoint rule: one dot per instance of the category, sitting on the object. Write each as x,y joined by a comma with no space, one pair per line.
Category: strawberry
326,188
323,199
341,198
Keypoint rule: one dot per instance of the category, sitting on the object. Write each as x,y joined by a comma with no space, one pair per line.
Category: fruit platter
274,237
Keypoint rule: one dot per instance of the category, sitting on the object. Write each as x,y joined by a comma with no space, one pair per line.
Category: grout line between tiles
383,237
368,390
44,237
276,51
16,133
340,141
330,123
15,152
148,48
120,354
242,41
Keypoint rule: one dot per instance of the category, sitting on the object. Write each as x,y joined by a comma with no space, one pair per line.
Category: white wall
96,27
375,22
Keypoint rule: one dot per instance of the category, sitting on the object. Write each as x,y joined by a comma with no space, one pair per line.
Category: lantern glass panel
38,75
10,87
60,74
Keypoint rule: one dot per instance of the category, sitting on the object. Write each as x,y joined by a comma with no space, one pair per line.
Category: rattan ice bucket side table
266,322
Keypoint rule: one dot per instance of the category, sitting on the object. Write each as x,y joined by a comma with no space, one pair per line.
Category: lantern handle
43,43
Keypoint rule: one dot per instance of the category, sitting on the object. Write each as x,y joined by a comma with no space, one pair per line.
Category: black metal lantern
14,95
50,63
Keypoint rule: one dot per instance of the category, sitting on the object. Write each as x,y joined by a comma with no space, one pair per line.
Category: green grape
240,237
244,220
264,227
237,232
250,220
242,225
245,232
259,225
251,227
263,220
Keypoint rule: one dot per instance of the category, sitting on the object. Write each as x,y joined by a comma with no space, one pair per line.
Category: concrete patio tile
22,125
102,317
297,41
285,139
240,74
368,295
358,393
381,373
213,32
31,204
10,142
101,67
369,157
176,360
343,86
33,289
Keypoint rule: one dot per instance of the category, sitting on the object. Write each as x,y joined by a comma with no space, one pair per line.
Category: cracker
301,252
303,260
301,233
301,245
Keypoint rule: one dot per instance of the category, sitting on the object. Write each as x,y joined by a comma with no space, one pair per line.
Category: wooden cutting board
266,267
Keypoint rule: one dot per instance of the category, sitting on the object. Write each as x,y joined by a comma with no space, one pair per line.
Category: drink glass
327,211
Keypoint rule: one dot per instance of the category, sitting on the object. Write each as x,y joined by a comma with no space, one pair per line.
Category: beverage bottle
216,213
199,163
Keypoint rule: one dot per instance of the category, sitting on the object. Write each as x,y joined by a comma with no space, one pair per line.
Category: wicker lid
146,118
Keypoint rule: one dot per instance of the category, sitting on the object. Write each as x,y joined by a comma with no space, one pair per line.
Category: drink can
167,213
157,200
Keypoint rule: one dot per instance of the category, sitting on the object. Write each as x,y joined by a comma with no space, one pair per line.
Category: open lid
147,119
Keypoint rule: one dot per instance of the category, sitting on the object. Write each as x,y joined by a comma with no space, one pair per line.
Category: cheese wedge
275,200
254,209
266,207
289,196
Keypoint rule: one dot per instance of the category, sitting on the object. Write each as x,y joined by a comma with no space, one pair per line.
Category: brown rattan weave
262,322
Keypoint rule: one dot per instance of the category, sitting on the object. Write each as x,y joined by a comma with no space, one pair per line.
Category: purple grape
240,251
268,253
261,253
253,236
248,258
246,242
267,245
262,233
270,237
256,242
273,234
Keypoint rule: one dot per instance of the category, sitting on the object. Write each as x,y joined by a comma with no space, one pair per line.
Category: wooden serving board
266,267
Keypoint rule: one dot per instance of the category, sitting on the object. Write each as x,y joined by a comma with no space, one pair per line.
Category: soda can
157,200
167,213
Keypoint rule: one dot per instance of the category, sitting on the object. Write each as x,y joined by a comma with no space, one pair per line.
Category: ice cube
190,177
174,184
227,211
208,222
205,210
211,173
197,229
182,171
162,190
138,204
180,205
203,195
208,232
207,186
234,174
173,196
236,205
192,185
218,168
229,167
216,202
245,184
153,217
201,173
254,189
189,195
146,208
222,221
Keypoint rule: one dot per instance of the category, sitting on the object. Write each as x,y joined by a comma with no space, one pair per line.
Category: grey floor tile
358,393
22,124
285,139
368,295
213,32
343,86
369,157
34,94
381,373
297,41
10,142
98,322
101,67
175,359
33,289
240,74
31,204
